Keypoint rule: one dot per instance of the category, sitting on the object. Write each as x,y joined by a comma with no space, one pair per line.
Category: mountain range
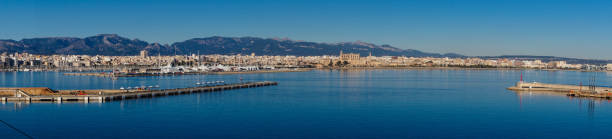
115,45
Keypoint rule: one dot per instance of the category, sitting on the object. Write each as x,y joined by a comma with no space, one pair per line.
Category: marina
304,69
137,74
342,101
43,94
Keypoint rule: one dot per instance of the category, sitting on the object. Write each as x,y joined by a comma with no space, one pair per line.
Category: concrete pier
132,94
569,90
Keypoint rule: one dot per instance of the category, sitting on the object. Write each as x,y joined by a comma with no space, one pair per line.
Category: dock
569,90
41,94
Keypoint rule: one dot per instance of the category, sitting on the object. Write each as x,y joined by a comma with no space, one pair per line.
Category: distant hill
103,44
114,45
261,46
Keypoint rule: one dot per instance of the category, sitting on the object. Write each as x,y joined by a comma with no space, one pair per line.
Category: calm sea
319,104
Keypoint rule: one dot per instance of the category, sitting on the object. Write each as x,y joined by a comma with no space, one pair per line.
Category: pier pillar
29,99
59,99
100,99
86,99
3,99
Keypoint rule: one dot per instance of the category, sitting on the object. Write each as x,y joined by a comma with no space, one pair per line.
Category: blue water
320,104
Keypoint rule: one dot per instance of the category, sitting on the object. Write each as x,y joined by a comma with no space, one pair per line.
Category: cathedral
349,56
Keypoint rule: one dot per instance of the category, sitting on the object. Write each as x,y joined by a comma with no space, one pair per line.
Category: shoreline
310,69
453,68
103,74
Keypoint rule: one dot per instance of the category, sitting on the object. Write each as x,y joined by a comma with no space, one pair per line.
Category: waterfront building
353,59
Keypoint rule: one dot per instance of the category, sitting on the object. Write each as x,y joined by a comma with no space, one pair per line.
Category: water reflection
13,106
589,103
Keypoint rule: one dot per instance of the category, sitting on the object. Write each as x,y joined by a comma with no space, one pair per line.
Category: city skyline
473,28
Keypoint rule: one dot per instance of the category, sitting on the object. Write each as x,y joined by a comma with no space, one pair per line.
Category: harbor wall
535,86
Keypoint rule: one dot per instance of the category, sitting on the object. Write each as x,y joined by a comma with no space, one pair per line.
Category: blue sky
576,28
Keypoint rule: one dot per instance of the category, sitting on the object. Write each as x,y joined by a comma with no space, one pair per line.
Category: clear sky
577,28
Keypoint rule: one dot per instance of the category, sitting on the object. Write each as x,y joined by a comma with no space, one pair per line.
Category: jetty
43,94
569,90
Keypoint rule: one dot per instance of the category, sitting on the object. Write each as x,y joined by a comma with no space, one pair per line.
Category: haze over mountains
115,45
